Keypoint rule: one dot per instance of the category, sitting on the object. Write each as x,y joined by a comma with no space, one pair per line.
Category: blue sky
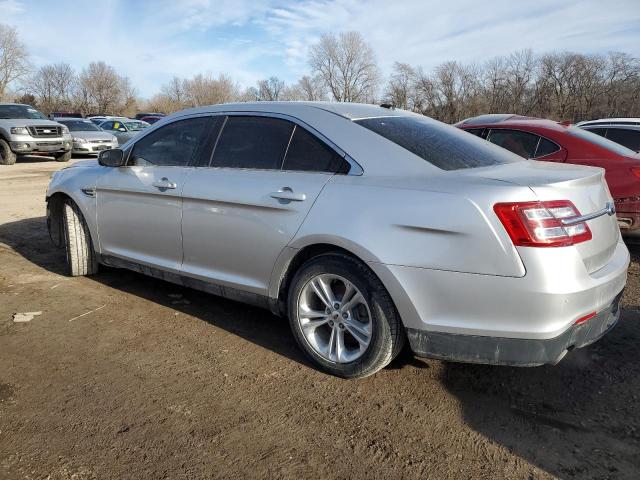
150,41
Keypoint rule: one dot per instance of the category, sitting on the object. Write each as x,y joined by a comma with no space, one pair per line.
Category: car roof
512,120
70,118
351,111
611,121
617,126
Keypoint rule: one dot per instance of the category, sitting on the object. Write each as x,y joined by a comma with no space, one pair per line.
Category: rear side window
443,146
252,142
546,147
520,143
628,138
173,145
308,154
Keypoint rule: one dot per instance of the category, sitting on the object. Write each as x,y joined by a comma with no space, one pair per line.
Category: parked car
151,119
626,133
88,138
141,115
551,141
367,226
24,130
123,128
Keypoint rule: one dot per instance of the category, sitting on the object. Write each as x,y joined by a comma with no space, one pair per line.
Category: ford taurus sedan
366,226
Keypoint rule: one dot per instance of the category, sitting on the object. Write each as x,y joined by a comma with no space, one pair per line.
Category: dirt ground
121,377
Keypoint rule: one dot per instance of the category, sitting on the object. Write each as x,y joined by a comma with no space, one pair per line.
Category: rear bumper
520,352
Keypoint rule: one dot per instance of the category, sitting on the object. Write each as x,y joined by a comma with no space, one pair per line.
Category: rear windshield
601,141
441,145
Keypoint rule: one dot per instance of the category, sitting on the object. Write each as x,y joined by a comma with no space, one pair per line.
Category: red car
539,139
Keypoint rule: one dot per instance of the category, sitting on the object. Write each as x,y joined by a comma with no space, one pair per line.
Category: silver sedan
88,139
366,226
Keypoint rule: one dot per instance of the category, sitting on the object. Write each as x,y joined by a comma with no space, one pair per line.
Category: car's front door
140,205
240,212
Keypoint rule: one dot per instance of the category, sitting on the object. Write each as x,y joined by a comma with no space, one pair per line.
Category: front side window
107,126
174,145
520,143
252,142
628,138
308,154
443,146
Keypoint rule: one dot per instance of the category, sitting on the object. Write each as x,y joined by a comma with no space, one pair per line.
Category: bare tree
269,90
104,87
314,88
399,91
14,59
347,64
53,86
206,90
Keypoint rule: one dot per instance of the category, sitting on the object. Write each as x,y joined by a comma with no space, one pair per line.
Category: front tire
7,157
343,317
63,157
81,257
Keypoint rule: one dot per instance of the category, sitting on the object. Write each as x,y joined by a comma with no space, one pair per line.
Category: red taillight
636,171
538,224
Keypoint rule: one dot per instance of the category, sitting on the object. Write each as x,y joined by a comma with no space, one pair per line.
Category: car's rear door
242,210
140,205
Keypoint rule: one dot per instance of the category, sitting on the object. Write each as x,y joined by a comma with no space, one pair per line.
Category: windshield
601,142
20,111
135,126
80,125
442,145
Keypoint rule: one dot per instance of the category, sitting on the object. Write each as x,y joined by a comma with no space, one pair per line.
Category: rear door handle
164,183
287,194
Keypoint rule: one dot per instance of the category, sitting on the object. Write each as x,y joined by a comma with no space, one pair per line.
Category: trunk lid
584,186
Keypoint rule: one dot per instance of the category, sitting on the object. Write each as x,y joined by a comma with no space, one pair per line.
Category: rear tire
378,319
63,157
7,157
81,257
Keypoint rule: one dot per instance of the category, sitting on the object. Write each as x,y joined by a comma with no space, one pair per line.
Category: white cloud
252,39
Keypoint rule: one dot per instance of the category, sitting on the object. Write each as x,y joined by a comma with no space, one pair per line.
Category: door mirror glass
122,129
111,158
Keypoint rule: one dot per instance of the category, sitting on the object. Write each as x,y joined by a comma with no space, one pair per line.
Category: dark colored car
151,119
140,115
540,139
624,134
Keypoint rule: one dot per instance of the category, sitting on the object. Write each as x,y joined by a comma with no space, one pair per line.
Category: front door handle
287,194
164,183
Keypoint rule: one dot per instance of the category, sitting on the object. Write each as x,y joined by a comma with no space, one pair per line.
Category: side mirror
122,129
111,158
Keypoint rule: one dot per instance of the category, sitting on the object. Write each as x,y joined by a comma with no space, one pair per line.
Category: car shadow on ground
30,239
580,418
565,419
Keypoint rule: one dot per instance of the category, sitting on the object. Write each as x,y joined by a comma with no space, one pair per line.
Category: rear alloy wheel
63,157
7,157
343,317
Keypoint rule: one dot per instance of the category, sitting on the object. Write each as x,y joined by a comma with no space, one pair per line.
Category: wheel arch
55,201
294,258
